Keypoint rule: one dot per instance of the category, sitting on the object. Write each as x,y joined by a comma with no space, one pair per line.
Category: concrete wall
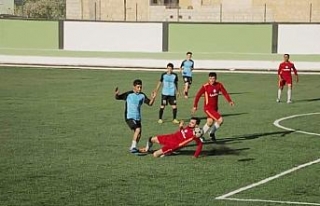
6,7
113,37
299,39
229,38
157,37
29,34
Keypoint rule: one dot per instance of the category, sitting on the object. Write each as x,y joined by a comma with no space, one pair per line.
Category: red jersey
285,69
184,133
181,138
211,93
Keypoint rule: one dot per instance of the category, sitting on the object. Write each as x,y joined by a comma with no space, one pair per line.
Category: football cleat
213,137
134,150
175,121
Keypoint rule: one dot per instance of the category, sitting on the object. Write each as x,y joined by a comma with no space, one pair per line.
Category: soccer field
63,141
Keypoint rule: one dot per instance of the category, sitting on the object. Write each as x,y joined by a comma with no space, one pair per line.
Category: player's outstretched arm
226,95
116,93
153,97
181,124
199,148
157,88
193,110
297,78
196,99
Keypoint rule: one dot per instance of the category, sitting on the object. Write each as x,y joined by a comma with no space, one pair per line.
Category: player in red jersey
211,91
177,140
284,76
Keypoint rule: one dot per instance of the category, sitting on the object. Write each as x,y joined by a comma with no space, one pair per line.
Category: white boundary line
267,179
276,123
146,69
271,201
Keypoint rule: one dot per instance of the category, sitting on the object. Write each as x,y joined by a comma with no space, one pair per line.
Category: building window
168,3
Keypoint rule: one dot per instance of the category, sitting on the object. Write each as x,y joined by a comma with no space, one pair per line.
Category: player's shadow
307,100
224,115
237,93
227,115
252,136
215,151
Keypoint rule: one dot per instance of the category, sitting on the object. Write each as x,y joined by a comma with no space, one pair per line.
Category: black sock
174,112
161,113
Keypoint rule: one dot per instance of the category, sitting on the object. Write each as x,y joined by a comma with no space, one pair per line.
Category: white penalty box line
227,196
276,123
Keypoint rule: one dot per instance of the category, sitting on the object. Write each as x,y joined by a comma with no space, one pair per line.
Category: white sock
149,144
133,144
279,93
205,128
289,95
215,127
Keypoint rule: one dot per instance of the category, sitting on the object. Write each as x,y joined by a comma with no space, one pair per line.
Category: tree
47,9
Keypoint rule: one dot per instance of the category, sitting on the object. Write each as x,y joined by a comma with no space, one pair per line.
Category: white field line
262,65
276,123
267,179
146,69
272,201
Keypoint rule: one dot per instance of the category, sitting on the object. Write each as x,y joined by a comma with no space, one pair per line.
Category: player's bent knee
154,139
209,121
220,121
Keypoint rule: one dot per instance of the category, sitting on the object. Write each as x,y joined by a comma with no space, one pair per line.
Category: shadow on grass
307,100
226,115
252,136
236,93
215,151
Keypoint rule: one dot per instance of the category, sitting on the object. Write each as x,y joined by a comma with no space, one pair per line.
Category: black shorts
165,100
187,79
133,124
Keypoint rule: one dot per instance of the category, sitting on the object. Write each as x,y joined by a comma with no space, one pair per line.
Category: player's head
212,77
286,57
170,67
194,122
137,85
189,55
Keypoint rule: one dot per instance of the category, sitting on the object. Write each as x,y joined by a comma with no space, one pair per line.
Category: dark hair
189,53
287,55
213,74
197,120
137,82
170,65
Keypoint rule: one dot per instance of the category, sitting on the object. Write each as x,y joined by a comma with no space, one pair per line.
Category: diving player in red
284,76
177,140
211,91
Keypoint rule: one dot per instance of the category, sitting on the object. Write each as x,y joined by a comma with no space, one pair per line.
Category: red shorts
284,81
170,142
213,114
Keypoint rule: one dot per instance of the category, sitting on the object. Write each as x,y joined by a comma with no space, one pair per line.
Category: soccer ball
198,132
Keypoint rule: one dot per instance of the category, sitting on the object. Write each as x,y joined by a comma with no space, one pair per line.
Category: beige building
6,6
195,10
